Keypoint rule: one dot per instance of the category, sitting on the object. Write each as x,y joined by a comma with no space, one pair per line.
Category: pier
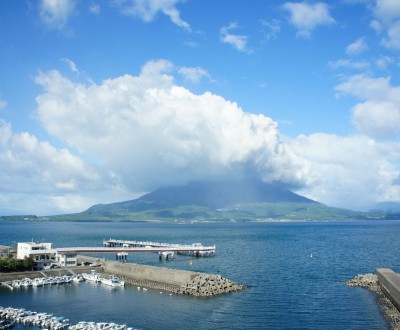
196,249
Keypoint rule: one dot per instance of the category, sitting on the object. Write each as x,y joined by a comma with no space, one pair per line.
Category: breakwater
390,284
172,280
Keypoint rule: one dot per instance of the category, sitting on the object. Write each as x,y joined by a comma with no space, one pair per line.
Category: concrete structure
390,285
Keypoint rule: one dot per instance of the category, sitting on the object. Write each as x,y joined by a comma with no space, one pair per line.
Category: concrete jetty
389,282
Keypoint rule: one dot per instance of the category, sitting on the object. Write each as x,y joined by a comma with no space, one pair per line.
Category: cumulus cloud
237,41
378,114
55,13
306,17
387,21
44,178
147,10
351,172
152,132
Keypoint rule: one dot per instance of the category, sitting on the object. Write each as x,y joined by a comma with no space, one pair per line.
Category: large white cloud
353,172
152,132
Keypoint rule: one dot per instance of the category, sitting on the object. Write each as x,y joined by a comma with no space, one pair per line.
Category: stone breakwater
171,280
206,285
371,282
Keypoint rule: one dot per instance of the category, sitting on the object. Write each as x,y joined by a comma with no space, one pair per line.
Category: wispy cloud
72,66
95,8
237,41
3,104
55,13
357,47
147,10
193,74
271,28
306,17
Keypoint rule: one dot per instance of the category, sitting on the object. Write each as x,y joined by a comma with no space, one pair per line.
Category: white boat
37,282
78,278
93,276
113,281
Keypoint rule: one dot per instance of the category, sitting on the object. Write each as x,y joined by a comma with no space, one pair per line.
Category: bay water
294,274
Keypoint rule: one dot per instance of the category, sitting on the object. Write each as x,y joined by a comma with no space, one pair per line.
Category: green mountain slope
217,201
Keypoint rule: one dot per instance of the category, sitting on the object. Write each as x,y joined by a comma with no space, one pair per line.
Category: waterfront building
66,260
43,254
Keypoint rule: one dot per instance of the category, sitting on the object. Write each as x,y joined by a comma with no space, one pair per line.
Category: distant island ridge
236,200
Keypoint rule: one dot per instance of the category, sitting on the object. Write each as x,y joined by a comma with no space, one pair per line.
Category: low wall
390,284
149,273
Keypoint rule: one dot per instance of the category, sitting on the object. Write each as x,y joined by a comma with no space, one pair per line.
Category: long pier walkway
122,246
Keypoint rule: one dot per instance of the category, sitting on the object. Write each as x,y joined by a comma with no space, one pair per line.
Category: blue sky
102,101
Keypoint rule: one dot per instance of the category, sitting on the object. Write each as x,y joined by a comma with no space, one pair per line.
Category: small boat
113,281
78,278
93,276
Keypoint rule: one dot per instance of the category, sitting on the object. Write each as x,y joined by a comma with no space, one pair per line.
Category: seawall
389,282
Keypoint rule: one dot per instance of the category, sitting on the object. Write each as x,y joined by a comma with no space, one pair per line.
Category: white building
66,260
44,256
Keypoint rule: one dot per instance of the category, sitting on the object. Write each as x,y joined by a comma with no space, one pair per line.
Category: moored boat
113,281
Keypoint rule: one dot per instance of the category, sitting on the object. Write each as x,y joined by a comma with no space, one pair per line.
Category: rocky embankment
370,282
205,285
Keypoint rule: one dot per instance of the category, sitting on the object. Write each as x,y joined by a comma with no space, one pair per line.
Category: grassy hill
218,201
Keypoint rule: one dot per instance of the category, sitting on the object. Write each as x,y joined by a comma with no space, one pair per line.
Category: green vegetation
15,265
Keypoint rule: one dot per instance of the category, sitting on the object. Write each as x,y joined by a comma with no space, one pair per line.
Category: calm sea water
286,287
